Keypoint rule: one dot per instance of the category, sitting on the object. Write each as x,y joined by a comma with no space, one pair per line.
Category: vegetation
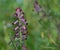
43,27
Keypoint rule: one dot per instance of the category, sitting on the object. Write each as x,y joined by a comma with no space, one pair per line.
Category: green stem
13,44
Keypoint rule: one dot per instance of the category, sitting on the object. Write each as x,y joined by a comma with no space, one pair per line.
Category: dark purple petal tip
18,9
16,15
36,2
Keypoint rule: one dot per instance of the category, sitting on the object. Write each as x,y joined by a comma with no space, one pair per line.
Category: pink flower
18,9
22,19
15,22
37,7
23,27
21,16
18,12
16,28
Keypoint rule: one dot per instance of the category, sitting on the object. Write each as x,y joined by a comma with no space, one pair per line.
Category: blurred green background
44,30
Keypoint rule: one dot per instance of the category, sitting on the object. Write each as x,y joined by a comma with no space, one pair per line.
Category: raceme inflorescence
20,27
21,24
37,7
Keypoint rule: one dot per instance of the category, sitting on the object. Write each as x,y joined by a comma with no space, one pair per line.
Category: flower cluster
20,26
37,6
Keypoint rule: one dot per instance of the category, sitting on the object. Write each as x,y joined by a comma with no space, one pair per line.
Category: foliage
43,29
